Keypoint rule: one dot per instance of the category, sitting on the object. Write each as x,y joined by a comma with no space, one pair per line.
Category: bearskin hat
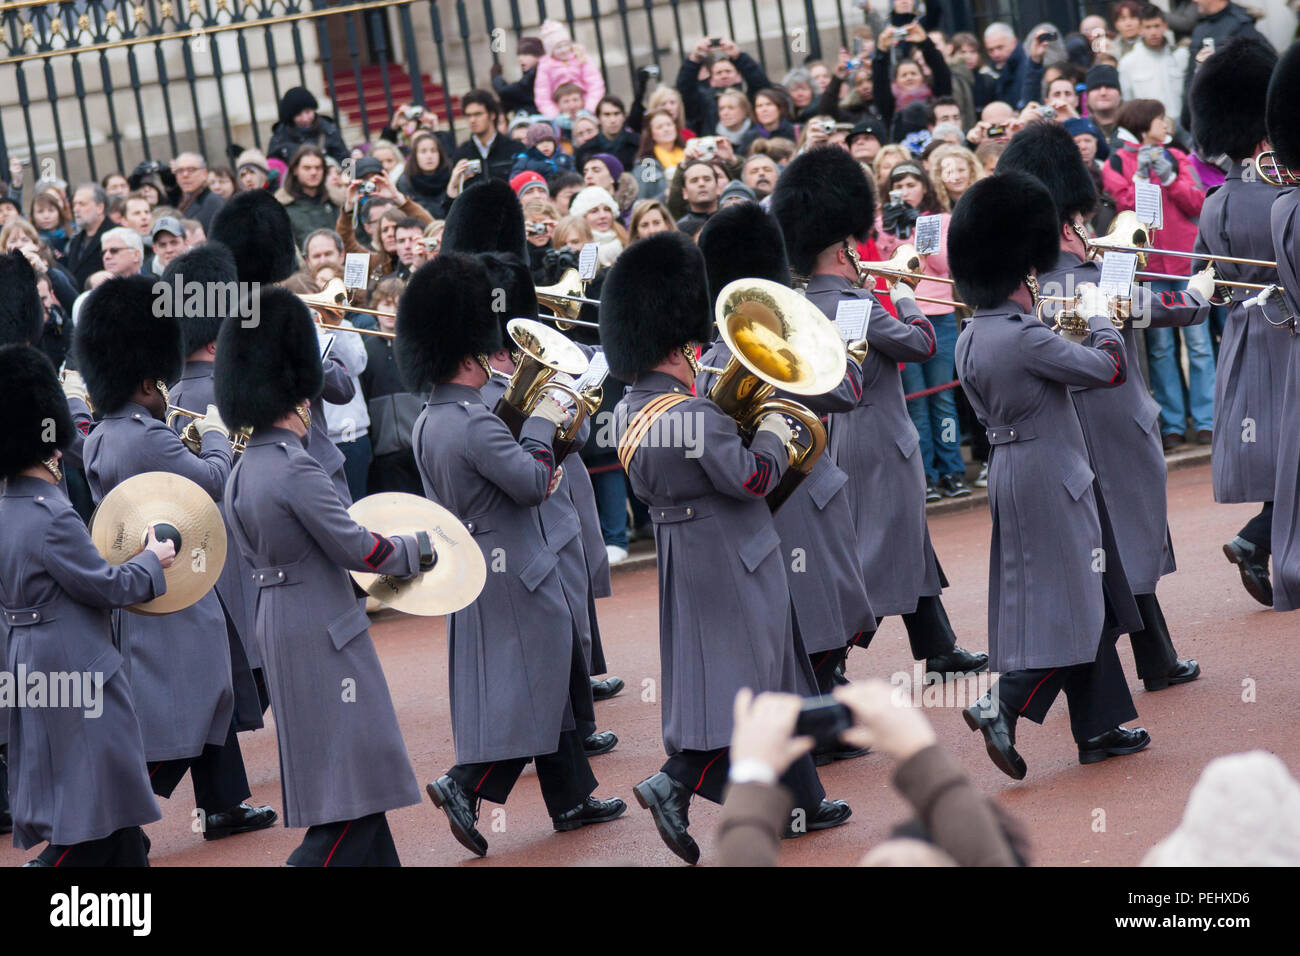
445,315
1048,153
265,368
655,299
1227,98
822,198
486,218
256,229
22,318
1283,94
33,399
742,241
508,273
1003,226
126,335
211,267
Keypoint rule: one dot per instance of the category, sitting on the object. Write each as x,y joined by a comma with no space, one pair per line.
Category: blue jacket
1011,79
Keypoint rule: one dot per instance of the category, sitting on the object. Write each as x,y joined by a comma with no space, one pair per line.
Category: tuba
541,356
191,438
778,340
1274,172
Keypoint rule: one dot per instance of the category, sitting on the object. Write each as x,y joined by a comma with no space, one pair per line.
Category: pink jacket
577,69
935,265
1183,200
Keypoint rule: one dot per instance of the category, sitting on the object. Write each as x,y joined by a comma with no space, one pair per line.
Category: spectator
195,234
389,156
221,180
139,216
529,185
820,73
304,195
735,118
667,98
1104,98
542,154
987,153
392,409
585,129
661,152
22,236
650,216
540,218
568,97
155,177
888,157
116,210
564,61
1182,16
496,153
1144,129
601,212
1154,69
860,102
168,241
968,70
51,217
518,96
736,191
253,171
84,255
115,184
564,188
727,68
614,136
407,234
866,139
700,189
802,97
605,171
348,424
947,110
324,247
426,175
1041,54
1220,21
382,211
953,169
56,335
771,117
571,234
760,174
300,125
1126,18
123,252
1062,95
1008,62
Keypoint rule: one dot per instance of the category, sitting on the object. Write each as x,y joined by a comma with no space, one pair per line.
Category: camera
708,145
367,187
431,242
996,131
414,112
826,126
823,719
1047,36
895,197
536,228
715,41
474,167
854,64
650,72
1046,112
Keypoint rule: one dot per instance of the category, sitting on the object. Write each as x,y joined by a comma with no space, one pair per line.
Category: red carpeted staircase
378,113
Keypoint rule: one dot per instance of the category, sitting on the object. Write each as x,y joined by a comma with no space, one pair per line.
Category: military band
775,555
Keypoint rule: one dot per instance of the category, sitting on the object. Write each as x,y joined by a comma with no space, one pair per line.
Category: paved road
1107,814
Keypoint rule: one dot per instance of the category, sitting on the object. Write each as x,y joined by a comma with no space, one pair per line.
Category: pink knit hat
553,33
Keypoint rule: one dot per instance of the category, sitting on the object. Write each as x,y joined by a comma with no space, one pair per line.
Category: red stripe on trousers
706,770
1035,690
336,844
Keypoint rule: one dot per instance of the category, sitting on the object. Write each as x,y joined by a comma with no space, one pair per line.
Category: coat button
279,575
1012,433
689,512
283,445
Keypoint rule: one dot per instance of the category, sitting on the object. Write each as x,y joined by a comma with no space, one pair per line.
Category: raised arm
908,338
734,469
1098,361
72,561
522,469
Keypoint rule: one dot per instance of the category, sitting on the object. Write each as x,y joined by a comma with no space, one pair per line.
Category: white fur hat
589,199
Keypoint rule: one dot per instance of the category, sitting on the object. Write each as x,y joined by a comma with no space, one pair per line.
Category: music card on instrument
1148,202
1117,271
851,317
588,261
356,267
597,369
928,234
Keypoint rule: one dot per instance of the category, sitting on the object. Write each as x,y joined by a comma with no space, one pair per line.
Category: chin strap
303,409
163,390
851,252
1031,283
51,465
688,353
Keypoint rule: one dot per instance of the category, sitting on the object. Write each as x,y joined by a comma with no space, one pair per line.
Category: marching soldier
825,207
724,599
1120,425
1052,625
343,763
827,588
212,267
1227,106
178,664
519,683
1283,94
79,779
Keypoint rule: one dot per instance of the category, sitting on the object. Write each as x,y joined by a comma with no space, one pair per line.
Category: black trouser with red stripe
217,774
1097,693
705,773
363,842
825,663
1259,529
928,629
1153,648
125,847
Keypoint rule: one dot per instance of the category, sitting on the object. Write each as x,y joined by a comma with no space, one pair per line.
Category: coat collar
197,369
273,436
24,486
825,282
130,410
447,393
659,382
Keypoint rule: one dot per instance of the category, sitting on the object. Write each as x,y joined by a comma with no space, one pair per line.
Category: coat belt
1005,434
274,577
21,617
664,514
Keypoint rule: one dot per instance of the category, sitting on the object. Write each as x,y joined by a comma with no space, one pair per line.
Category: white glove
74,386
211,422
1202,283
901,290
556,478
775,423
1091,301
551,410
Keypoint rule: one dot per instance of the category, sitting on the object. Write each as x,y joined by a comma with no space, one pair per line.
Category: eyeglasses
113,252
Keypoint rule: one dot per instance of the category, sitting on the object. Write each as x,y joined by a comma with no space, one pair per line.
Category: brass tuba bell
543,354
1274,172
778,340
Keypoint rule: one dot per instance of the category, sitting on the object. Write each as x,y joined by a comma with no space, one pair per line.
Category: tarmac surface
1108,814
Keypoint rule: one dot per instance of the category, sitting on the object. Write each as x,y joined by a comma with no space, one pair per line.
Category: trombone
566,299
1274,172
1128,234
905,266
334,298
191,438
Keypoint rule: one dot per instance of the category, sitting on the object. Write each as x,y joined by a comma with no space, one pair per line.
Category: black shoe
588,812
931,492
1184,672
1114,743
241,819
954,486
956,663
668,802
837,751
1253,565
1172,441
600,743
36,862
999,732
462,813
607,688
831,813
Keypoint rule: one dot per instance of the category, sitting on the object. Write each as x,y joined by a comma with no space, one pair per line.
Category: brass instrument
778,339
1127,234
566,299
1274,172
905,266
191,438
542,354
334,298
1070,319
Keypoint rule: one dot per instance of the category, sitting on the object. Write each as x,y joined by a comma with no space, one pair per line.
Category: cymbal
457,578
182,511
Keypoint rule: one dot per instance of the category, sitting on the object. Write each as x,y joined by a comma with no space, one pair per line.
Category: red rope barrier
931,391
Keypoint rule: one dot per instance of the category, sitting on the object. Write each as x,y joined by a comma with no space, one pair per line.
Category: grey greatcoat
1286,501
511,651
341,751
235,588
178,664
1122,428
1047,602
876,445
339,389
724,600
75,774
584,500
1251,373
816,527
